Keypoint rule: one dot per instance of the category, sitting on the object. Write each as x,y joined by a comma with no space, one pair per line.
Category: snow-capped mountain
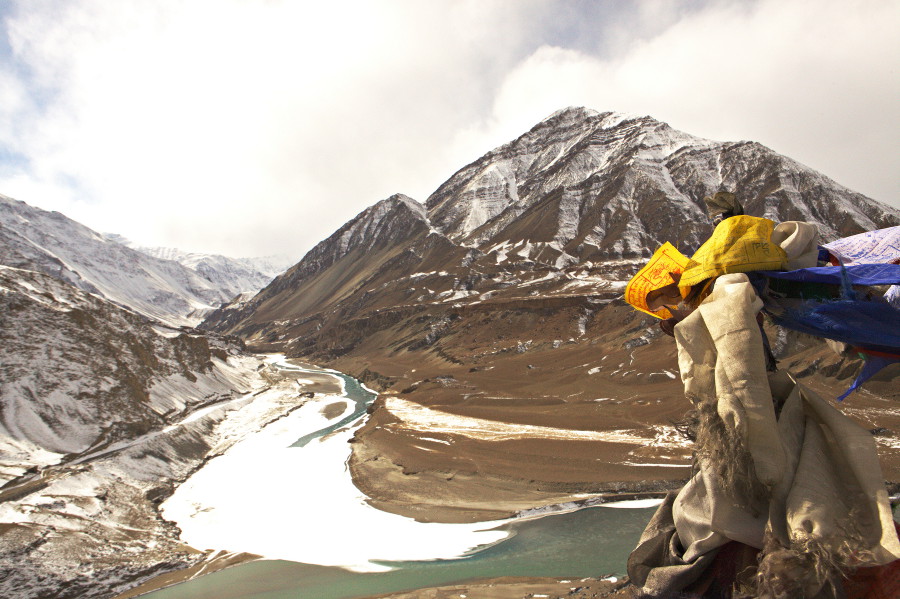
49,242
583,194
234,276
500,299
584,185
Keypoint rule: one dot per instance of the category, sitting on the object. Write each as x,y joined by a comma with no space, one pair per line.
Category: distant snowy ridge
234,276
49,242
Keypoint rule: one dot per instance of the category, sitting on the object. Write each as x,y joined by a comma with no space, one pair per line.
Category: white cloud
816,81
204,123
255,127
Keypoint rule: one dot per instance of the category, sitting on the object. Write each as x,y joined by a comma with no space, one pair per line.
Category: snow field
299,504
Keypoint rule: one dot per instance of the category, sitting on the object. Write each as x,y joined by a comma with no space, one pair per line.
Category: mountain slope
370,251
49,242
102,414
80,373
502,300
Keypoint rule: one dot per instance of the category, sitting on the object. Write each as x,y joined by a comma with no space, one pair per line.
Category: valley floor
439,463
200,511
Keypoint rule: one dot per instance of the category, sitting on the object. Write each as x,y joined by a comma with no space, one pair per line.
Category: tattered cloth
857,321
869,326
738,244
801,484
872,247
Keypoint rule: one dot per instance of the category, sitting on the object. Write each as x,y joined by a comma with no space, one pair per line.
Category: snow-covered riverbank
230,480
89,526
267,497
299,503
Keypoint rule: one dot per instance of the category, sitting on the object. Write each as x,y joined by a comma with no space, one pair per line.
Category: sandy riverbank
289,493
522,588
215,562
435,465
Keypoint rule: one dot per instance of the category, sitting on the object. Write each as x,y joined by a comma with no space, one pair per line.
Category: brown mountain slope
491,318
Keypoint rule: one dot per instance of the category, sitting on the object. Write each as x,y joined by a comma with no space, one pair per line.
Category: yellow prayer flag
739,244
655,275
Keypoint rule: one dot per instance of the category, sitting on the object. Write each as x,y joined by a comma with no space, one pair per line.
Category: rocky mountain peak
385,222
581,190
562,151
607,186
408,202
574,113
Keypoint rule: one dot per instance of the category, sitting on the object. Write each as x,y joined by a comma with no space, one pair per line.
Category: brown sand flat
601,382
215,562
432,475
333,410
521,588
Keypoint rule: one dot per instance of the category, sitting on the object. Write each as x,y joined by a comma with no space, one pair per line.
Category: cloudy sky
252,127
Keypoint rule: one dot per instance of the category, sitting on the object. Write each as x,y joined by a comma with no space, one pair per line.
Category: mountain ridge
505,303
233,276
50,242
603,192
145,282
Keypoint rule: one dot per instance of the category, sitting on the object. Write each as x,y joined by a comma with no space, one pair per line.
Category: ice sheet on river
263,496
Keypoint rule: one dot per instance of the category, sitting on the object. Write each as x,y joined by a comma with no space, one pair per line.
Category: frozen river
285,493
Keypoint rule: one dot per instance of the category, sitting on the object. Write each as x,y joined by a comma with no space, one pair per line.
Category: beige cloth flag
802,484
